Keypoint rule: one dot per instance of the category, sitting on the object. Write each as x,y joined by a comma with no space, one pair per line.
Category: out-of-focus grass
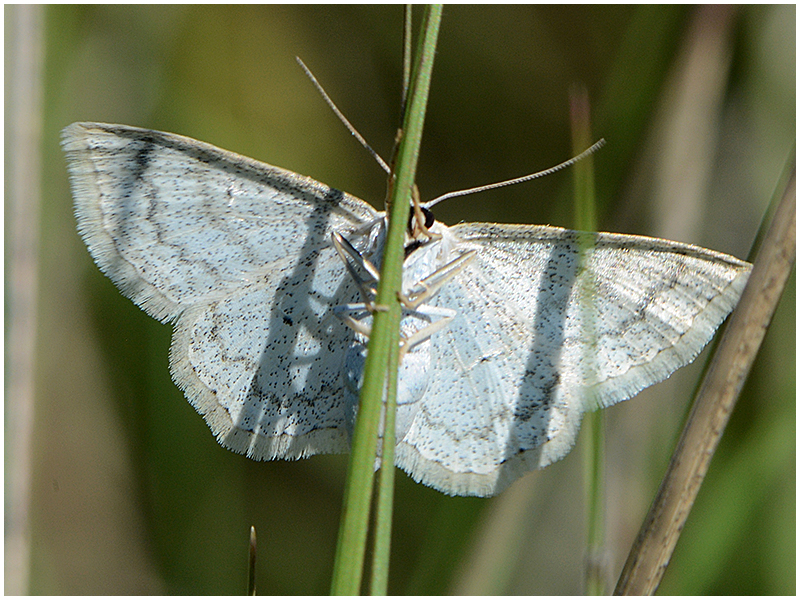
132,494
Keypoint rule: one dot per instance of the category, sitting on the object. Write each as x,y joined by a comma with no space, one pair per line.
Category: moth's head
413,226
420,229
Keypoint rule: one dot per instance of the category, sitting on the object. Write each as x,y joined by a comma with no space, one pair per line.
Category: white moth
524,329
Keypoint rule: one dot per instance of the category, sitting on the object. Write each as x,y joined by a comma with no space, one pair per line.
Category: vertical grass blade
384,338
593,423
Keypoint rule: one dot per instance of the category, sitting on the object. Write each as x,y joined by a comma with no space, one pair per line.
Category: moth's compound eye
429,218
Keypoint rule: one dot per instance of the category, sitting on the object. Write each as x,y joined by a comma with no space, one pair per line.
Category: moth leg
356,324
428,287
437,317
445,315
363,272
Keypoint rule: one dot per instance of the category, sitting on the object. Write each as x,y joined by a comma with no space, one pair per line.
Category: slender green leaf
385,336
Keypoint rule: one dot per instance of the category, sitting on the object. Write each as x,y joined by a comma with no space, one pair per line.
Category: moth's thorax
430,255
424,255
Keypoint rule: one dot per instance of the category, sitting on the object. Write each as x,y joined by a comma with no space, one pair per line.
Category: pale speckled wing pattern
544,334
548,323
238,253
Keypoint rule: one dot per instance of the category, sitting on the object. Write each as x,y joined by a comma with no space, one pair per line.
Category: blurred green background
130,492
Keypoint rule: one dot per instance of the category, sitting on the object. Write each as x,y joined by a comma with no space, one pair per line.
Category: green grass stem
385,336
593,426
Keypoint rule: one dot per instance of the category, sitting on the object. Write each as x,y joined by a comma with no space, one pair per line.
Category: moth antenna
342,118
591,150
